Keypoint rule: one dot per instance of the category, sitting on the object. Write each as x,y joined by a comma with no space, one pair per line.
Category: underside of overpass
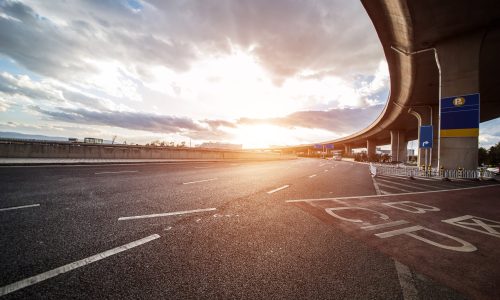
434,50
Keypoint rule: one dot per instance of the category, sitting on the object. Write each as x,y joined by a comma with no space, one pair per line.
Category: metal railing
413,171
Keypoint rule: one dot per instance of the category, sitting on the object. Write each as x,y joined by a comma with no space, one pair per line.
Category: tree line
490,156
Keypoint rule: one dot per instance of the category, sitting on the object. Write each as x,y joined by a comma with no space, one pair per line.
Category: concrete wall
67,150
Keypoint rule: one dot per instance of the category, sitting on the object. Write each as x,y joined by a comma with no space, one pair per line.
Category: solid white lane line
406,281
19,207
313,175
175,213
198,181
322,165
326,170
115,172
390,195
279,189
71,266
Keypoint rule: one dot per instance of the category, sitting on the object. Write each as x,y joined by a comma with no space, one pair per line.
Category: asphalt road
212,230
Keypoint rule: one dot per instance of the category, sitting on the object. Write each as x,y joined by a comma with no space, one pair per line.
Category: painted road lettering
452,237
478,224
331,210
409,231
411,206
385,225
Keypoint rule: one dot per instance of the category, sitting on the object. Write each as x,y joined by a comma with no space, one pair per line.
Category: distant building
211,145
88,140
73,140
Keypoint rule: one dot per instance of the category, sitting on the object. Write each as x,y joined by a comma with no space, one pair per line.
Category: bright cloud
254,72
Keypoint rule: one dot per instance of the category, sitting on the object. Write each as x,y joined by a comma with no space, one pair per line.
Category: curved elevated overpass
434,49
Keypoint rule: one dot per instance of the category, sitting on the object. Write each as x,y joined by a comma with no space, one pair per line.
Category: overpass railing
413,171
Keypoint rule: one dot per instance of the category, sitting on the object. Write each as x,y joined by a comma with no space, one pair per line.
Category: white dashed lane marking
19,207
278,189
198,181
175,213
115,172
74,265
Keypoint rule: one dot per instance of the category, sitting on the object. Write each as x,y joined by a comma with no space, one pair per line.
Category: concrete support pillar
428,115
459,68
347,150
398,146
371,149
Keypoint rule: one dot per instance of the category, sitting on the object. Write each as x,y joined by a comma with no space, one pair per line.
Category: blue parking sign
426,136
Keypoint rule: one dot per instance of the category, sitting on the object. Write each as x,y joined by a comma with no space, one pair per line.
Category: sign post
425,141
426,137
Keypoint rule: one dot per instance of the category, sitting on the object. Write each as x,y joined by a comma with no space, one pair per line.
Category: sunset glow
162,71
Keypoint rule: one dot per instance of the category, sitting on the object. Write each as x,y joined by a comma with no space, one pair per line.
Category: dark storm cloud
288,35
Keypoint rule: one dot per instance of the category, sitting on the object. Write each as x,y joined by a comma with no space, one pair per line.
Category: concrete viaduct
434,49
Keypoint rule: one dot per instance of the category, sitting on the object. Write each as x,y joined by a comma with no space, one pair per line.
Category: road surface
242,230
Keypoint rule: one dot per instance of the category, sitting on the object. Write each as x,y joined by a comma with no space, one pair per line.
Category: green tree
494,154
483,156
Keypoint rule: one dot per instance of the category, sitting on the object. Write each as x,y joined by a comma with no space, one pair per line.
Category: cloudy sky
252,72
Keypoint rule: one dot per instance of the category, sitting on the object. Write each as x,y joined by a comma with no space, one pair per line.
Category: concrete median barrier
92,151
